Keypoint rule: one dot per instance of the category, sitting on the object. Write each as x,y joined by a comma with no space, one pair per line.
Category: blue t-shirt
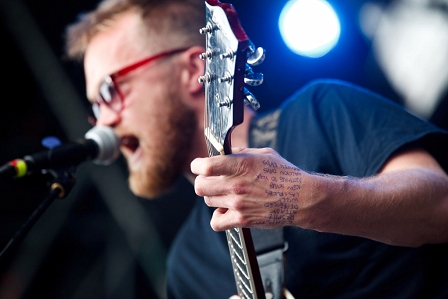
333,128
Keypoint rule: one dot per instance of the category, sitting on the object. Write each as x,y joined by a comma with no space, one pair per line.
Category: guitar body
226,58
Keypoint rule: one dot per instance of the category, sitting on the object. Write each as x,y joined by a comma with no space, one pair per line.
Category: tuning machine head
249,99
255,56
251,78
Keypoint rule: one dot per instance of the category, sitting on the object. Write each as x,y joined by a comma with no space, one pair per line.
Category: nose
107,117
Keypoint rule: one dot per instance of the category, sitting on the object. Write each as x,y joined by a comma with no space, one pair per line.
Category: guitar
229,56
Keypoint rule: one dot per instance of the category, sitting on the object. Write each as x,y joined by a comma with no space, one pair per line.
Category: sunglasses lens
107,91
109,96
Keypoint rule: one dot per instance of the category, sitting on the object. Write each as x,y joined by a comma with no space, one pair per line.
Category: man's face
155,126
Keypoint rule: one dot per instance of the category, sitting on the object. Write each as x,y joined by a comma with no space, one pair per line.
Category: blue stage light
309,27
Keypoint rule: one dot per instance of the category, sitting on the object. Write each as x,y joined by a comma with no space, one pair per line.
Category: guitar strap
270,247
269,243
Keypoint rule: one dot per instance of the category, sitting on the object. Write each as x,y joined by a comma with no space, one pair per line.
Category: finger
210,186
211,201
223,219
218,222
215,166
197,165
205,166
226,164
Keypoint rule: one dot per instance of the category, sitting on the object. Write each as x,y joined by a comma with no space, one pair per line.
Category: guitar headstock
229,56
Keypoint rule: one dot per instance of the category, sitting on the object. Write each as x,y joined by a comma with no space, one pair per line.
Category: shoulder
333,92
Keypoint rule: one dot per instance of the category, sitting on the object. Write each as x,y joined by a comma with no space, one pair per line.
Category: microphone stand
60,184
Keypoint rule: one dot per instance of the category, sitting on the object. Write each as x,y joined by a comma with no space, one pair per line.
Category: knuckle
239,205
267,151
238,188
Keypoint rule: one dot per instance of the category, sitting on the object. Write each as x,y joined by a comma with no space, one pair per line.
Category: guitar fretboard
242,253
239,257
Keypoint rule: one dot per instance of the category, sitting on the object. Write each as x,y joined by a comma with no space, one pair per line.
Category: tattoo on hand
284,185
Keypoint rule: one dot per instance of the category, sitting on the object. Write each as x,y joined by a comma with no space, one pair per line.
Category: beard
166,156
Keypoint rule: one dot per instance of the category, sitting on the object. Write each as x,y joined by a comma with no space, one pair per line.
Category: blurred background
102,242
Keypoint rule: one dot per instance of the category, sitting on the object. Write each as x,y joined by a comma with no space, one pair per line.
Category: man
369,202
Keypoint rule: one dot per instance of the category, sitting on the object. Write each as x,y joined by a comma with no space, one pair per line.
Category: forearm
405,207
405,204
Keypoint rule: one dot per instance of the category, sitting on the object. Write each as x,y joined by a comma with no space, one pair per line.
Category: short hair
180,19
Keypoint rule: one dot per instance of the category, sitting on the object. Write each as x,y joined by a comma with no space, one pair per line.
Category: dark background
100,241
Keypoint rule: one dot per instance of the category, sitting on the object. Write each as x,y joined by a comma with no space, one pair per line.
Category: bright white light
309,27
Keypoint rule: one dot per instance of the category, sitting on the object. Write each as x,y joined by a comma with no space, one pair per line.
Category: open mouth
130,142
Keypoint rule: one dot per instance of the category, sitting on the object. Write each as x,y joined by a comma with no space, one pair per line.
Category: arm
405,204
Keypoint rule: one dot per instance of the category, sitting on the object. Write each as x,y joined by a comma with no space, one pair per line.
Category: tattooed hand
249,188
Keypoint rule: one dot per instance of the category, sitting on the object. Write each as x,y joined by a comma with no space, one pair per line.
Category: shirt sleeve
334,127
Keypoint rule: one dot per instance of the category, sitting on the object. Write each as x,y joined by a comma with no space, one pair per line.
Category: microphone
101,145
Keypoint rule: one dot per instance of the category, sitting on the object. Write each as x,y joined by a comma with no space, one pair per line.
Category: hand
249,188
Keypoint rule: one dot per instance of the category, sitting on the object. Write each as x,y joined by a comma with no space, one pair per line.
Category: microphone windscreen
108,144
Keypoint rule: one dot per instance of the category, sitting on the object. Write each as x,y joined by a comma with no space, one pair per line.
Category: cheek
149,103
145,102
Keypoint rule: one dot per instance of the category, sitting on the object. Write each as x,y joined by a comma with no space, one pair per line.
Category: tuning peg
227,78
254,79
251,78
229,54
249,99
206,55
207,29
255,56
206,78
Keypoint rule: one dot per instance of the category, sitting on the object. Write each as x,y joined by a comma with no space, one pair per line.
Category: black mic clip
61,180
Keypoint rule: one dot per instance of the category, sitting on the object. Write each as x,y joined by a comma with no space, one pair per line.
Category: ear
193,68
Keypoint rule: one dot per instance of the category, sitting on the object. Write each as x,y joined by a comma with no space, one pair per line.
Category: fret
240,257
236,240
213,141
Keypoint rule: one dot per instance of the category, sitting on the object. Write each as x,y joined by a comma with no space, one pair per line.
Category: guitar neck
225,73
244,263
242,252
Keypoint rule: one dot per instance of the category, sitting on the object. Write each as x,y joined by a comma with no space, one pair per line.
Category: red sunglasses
109,93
